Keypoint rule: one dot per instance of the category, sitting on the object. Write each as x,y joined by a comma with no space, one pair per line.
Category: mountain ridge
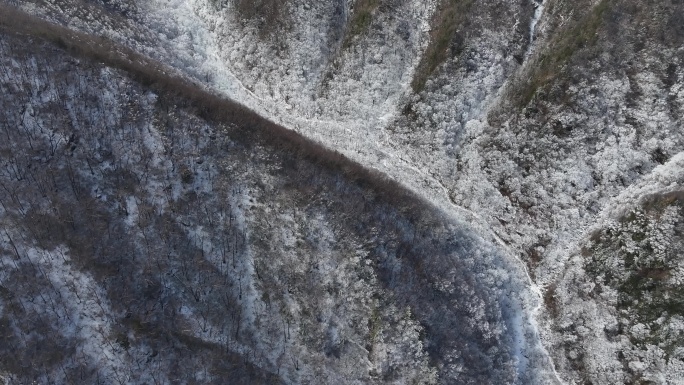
537,126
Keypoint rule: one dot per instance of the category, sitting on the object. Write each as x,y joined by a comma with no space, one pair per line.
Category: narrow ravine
539,6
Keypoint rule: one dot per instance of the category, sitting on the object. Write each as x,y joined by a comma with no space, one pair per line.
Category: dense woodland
146,239
369,191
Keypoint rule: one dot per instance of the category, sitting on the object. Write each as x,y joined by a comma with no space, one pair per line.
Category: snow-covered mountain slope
617,308
538,123
140,225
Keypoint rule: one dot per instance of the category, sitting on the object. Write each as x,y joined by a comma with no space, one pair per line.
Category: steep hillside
587,128
617,310
158,233
546,133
